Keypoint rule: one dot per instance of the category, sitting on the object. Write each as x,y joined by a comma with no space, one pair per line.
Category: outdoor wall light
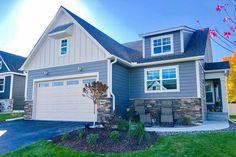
80,68
45,73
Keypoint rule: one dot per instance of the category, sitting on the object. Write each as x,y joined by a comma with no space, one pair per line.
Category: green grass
233,118
5,116
192,145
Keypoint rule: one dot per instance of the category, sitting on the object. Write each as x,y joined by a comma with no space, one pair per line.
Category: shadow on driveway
16,134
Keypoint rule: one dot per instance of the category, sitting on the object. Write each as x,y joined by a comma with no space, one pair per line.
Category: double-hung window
2,85
64,47
161,79
162,45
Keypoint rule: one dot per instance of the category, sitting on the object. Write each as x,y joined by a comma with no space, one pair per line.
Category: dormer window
162,45
64,47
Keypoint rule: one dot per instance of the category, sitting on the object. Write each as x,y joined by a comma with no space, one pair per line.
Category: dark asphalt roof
14,62
217,66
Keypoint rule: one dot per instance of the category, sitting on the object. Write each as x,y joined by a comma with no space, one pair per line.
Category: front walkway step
217,116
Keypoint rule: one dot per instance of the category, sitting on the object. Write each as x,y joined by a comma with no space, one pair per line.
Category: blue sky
22,22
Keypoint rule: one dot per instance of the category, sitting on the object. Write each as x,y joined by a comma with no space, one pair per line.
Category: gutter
111,91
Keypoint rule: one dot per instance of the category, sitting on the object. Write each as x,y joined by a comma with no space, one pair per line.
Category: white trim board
198,78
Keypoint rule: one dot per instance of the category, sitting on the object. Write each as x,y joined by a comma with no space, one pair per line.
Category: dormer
166,42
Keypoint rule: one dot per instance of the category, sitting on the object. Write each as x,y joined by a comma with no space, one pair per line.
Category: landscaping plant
114,135
79,134
122,125
186,121
92,139
138,131
95,91
65,137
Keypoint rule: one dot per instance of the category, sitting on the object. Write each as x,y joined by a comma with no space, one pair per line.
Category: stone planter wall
188,107
104,109
28,110
6,105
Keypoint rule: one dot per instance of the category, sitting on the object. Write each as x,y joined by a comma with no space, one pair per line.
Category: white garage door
62,100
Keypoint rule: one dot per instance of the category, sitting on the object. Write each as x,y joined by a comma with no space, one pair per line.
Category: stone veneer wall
186,107
105,109
6,105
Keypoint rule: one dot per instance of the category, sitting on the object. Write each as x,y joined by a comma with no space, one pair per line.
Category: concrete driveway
16,134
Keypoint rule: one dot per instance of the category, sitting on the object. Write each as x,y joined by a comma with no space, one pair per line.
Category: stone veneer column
105,108
28,110
6,105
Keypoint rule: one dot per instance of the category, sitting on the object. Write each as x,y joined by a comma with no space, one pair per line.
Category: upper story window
162,79
0,65
2,85
64,47
162,45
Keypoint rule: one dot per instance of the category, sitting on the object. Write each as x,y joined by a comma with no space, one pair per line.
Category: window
161,79
2,84
162,45
72,82
64,47
0,64
57,83
86,81
43,85
209,92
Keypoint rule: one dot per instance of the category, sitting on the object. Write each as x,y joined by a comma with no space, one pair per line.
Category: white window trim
161,90
1,65
213,93
160,37
67,47
2,91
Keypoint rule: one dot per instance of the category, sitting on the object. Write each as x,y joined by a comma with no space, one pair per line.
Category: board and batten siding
187,83
18,92
176,42
91,67
120,87
82,48
7,88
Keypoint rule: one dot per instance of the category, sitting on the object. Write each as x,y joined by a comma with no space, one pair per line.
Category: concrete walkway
206,126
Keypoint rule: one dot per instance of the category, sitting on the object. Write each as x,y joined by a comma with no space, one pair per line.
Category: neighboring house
171,65
12,82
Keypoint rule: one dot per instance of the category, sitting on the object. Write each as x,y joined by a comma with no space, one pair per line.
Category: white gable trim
44,36
5,64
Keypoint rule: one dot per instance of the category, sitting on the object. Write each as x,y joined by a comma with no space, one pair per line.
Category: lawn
5,116
191,145
233,118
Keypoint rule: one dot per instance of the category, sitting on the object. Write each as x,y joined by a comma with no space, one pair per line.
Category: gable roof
61,28
217,66
13,62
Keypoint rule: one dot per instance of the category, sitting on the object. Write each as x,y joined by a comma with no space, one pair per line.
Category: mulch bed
105,144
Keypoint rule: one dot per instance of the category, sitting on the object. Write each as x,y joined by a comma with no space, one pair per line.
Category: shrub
65,136
114,136
138,131
92,139
186,121
122,125
79,134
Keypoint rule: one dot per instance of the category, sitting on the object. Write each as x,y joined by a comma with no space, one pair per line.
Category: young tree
231,80
95,91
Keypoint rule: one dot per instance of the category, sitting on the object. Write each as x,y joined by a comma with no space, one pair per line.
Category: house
12,82
170,66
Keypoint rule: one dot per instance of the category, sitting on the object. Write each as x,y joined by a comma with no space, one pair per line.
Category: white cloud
28,20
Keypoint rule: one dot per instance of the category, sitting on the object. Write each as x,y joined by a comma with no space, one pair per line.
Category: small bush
138,131
79,134
65,136
186,121
122,125
114,136
92,139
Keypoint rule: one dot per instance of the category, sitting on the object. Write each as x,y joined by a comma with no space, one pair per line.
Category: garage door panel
63,102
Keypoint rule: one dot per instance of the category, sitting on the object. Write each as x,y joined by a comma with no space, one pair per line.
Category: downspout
111,91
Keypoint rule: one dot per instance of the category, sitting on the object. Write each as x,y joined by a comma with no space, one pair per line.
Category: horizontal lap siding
91,67
120,86
187,76
176,41
6,93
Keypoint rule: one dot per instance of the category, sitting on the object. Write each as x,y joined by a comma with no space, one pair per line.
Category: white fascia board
5,63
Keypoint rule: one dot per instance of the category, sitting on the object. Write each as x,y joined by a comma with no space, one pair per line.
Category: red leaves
227,35
232,29
218,8
212,33
226,19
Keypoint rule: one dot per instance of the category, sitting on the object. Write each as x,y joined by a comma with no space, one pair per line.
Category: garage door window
57,84
87,81
72,82
42,85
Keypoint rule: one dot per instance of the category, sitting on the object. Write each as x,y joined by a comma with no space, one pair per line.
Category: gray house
172,66
12,82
